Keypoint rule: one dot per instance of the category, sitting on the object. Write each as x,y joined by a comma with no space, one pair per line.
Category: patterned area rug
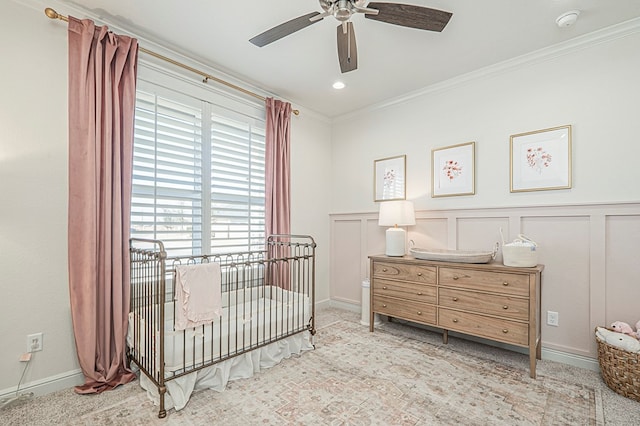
358,378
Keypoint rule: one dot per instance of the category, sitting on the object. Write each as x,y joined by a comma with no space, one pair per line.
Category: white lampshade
394,214
397,213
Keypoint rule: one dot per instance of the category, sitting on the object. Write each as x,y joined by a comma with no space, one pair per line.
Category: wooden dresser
491,301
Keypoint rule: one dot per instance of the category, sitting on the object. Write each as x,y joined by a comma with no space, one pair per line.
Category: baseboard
326,303
571,359
343,305
49,384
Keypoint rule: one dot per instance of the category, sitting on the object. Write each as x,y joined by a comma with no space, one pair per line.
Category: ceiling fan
405,15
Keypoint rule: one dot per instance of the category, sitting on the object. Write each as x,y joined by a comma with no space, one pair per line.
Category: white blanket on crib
197,294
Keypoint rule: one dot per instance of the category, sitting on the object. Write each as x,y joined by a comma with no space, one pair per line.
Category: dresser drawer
479,325
505,306
412,311
405,290
498,282
406,272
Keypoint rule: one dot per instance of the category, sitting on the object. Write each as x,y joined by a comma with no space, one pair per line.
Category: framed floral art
453,170
389,178
541,160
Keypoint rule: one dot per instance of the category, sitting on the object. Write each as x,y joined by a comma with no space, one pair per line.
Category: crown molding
604,35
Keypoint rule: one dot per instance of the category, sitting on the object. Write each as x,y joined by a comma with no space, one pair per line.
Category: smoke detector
568,18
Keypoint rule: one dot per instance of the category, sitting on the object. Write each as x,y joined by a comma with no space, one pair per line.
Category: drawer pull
455,278
384,269
419,293
455,320
505,331
505,307
419,312
505,284
384,306
455,299
384,287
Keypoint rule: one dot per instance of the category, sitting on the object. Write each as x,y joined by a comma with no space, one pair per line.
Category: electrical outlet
552,318
34,342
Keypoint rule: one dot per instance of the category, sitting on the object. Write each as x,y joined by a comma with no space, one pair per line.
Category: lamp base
396,242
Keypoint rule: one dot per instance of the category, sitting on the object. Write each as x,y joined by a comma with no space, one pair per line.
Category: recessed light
338,85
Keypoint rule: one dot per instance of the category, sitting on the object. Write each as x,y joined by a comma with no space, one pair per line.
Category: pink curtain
102,87
278,178
278,184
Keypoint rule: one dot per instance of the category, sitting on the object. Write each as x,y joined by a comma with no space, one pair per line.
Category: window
237,185
198,174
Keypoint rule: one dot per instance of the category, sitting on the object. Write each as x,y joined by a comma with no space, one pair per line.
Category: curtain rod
55,15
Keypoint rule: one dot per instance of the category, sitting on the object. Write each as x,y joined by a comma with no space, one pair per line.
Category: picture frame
541,160
389,178
453,170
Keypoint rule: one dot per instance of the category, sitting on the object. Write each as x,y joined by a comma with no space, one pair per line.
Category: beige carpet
398,375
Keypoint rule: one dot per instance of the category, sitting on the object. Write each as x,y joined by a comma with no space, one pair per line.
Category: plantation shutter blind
167,173
198,174
237,185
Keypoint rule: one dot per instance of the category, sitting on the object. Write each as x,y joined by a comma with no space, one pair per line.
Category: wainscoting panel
430,232
481,233
375,238
590,253
563,247
622,269
346,260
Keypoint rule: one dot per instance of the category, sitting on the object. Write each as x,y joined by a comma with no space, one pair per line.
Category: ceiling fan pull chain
348,43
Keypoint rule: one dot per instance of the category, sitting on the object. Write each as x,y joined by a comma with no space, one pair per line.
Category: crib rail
267,296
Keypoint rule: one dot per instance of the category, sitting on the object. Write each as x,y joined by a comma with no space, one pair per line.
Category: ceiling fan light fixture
568,18
326,5
342,15
344,10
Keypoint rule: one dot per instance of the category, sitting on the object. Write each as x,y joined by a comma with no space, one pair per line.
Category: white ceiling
392,60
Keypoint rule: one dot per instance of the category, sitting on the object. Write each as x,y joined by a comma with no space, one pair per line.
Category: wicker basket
620,369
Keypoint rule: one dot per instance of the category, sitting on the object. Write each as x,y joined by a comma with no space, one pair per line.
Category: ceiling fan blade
283,30
406,15
347,50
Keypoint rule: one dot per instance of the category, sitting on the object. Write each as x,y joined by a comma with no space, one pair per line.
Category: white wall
310,189
33,190
593,88
586,233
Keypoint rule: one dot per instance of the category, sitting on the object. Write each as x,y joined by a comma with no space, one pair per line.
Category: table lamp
395,214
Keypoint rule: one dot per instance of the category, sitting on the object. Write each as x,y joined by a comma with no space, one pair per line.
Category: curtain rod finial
51,13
